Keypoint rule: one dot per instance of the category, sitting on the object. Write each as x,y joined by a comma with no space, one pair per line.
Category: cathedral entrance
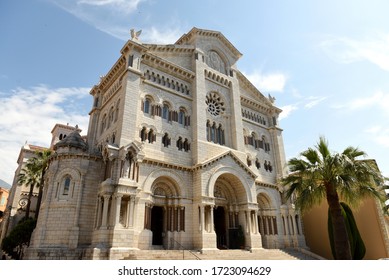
157,225
220,227
229,219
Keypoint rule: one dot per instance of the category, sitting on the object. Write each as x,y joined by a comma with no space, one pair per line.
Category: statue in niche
159,191
127,165
218,192
214,61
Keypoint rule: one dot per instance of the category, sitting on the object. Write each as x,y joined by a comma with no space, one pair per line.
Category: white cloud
347,50
287,110
126,6
271,82
312,101
117,17
379,100
379,134
30,114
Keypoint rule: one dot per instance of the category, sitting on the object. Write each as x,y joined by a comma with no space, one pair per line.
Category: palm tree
40,163
29,177
319,174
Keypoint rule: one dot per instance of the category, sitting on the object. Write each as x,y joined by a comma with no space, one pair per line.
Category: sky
325,62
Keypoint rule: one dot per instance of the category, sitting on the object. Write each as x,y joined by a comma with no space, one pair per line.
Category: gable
230,158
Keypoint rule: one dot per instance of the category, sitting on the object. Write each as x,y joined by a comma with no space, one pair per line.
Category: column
118,200
201,228
105,211
248,214
211,219
256,221
130,214
99,208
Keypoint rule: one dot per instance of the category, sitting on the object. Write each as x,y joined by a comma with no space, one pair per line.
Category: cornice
164,65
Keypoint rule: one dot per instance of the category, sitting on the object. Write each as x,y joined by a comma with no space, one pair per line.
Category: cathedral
182,150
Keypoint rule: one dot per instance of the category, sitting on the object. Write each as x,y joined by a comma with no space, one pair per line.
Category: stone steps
260,254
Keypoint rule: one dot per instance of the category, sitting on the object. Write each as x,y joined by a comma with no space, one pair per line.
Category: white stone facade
182,150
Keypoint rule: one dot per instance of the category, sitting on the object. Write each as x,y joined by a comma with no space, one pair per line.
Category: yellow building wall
370,222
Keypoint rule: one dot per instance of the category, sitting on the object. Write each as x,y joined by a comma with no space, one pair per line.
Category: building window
117,110
151,136
214,103
186,145
179,144
165,112
147,106
268,167
257,164
143,134
66,185
103,123
166,140
215,133
181,117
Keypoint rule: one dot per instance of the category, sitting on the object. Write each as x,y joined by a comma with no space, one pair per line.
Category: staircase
261,254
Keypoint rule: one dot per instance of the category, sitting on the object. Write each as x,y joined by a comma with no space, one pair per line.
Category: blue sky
325,62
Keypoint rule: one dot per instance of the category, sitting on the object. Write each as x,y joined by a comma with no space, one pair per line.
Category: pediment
239,164
215,46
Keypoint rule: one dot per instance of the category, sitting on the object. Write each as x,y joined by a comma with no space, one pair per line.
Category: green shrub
18,238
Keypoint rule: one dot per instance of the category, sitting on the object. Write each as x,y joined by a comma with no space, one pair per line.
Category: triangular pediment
202,38
228,154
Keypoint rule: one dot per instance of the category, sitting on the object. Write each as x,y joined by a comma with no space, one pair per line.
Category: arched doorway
157,225
165,213
229,217
267,221
220,227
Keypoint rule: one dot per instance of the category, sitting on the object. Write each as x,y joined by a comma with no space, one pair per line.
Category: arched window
151,136
143,134
181,117
103,123
117,110
146,106
257,164
213,133
220,135
110,116
165,112
166,140
66,185
60,136
186,145
208,131
179,144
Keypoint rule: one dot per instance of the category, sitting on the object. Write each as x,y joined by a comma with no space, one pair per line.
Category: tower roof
74,140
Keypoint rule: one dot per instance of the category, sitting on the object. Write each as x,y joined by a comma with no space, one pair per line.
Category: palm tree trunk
29,201
40,194
341,239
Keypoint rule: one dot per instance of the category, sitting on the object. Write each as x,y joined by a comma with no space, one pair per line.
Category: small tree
19,238
29,177
320,174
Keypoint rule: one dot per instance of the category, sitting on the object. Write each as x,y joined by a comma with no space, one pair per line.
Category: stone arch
168,176
233,176
269,223
75,176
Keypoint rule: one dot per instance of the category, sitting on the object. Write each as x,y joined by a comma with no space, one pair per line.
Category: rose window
215,105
